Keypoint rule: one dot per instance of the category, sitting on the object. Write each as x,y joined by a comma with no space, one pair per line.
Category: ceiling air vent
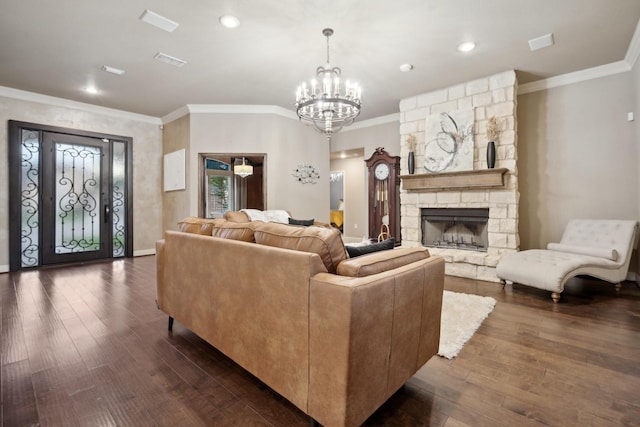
158,21
169,59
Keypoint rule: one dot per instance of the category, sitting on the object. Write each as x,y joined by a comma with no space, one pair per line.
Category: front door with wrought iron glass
76,206
70,196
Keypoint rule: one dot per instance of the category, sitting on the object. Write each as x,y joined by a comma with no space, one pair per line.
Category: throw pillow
305,222
355,251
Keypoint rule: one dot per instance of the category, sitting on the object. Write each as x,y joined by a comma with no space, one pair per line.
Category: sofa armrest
369,335
377,262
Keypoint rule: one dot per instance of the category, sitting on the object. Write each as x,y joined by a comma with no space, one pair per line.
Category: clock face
382,171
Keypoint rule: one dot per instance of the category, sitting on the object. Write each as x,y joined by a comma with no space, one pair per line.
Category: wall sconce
243,170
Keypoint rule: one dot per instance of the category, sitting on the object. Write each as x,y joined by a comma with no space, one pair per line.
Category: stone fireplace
491,191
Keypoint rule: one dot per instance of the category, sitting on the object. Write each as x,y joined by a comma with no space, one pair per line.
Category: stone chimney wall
489,96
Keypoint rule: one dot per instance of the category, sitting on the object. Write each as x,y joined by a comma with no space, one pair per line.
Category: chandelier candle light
326,103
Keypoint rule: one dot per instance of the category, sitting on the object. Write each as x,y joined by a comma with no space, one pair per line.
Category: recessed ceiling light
466,47
229,21
91,89
405,68
169,59
158,21
112,70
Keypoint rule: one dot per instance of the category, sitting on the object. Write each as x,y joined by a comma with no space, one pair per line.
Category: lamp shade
243,170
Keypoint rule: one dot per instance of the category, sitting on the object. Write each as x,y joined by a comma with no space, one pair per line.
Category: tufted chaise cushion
601,235
548,269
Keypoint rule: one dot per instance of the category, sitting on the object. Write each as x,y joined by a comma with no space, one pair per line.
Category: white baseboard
4,268
145,252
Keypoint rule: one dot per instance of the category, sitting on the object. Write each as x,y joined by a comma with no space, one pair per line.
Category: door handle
106,213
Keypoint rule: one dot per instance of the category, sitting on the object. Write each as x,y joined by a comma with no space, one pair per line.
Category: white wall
286,143
147,155
577,156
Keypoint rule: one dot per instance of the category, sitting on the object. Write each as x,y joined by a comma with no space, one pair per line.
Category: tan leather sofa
335,336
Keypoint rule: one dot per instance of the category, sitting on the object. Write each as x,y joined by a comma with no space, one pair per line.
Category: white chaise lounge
595,247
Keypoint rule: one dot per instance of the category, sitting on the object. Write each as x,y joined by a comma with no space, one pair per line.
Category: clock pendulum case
384,195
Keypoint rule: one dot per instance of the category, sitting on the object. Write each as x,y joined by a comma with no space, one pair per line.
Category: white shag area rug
462,315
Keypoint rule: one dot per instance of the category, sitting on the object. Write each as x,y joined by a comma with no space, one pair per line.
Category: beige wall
385,135
636,112
577,156
175,204
286,144
356,221
147,155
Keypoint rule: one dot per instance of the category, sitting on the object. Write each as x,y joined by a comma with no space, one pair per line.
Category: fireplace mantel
459,180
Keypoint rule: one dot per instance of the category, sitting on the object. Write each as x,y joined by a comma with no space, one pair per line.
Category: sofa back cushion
198,225
234,230
236,216
326,242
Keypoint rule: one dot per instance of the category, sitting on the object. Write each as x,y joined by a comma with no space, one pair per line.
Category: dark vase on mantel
491,155
411,163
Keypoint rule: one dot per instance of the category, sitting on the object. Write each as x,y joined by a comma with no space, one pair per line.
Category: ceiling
58,47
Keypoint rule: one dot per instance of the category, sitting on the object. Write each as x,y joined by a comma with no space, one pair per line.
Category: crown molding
241,109
575,77
228,109
67,103
376,121
634,48
174,115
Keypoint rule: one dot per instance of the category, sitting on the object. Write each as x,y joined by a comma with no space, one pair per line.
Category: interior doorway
222,189
70,196
336,197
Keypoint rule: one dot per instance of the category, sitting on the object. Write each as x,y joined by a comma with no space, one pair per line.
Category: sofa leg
618,287
313,423
555,296
170,323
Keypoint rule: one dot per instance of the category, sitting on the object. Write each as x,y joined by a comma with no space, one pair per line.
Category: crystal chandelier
243,170
326,103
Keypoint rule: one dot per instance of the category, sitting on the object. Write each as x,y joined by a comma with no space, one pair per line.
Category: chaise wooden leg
618,287
555,296
170,323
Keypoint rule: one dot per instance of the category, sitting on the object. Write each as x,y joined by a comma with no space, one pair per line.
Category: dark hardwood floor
85,346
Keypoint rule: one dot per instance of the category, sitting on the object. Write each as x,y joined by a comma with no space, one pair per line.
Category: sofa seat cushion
326,242
243,231
201,226
378,262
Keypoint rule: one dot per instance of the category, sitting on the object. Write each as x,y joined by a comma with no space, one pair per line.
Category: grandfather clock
384,195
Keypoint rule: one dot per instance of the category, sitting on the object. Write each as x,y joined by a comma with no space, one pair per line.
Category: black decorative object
491,155
411,163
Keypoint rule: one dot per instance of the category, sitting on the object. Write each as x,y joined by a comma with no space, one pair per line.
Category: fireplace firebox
455,228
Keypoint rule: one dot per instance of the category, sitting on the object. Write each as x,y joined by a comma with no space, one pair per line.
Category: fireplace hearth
455,228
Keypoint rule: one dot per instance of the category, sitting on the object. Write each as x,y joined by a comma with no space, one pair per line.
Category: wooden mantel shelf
451,181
